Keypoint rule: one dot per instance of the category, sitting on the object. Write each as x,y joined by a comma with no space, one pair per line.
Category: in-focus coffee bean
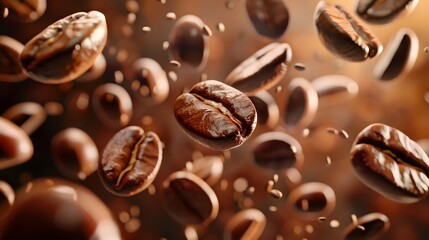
334,89
66,49
374,226
246,224
390,163
344,34
7,198
130,161
10,67
261,71
25,10
208,168
384,11
216,115
267,109
270,18
29,116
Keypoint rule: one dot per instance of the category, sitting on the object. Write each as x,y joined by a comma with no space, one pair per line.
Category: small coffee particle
240,184
343,134
276,194
354,219
175,63
165,45
172,76
299,66
332,130
360,227
272,208
170,16
269,186
321,219
220,27
328,161
146,29
304,205
334,223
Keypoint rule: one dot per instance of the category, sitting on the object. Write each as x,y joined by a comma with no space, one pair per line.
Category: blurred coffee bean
66,49
10,68
270,18
208,168
95,71
130,161
267,109
7,198
369,226
384,11
246,224
29,116
25,10
216,115
334,89
344,34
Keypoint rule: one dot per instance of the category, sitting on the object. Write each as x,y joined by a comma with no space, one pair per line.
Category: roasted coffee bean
261,71
66,49
130,161
344,34
208,168
15,145
27,115
216,115
10,68
277,150
384,11
58,210
188,43
113,104
189,200
7,198
74,153
301,105
149,81
25,10
269,17
390,163
246,224
399,56
334,89
95,71
267,109
374,226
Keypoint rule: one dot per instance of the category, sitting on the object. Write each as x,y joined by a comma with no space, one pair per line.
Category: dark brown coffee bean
384,11
7,198
188,43
269,17
74,153
130,161
399,56
188,199
95,71
267,109
208,168
374,226
10,68
149,81
344,34
277,150
301,105
334,89
246,224
113,104
66,49
15,145
27,115
216,115
25,10
261,71
390,163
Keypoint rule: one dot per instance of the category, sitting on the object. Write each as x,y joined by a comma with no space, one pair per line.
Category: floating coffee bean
15,145
10,68
267,109
7,198
399,56
25,10
277,150
149,81
333,89
390,163
74,153
344,34
27,115
374,226
130,161
189,200
208,168
261,71
216,115
66,49
95,71
188,43
301,105
246,224
269,17
384,11
113,104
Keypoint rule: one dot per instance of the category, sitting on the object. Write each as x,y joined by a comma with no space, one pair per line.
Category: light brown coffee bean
29,116
384,11
10,68
270,18
334,89
246,224
208,168
370,226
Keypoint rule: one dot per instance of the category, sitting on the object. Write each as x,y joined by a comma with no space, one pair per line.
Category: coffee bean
112,104
95,71
74,153
382,11
390,163
246,224
277,150
189,200
25,10
270,18
188,43
372,226
301,105
399,56
216,115
267,109
15,145
130,161
7,198
334,89
66,49
27,115
261,71
10,68
208,168
344,34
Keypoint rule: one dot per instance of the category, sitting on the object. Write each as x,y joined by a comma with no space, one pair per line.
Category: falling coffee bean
208,168
334,89
10,68
246,224
267,109
25,10
29,116
384,11
374,226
